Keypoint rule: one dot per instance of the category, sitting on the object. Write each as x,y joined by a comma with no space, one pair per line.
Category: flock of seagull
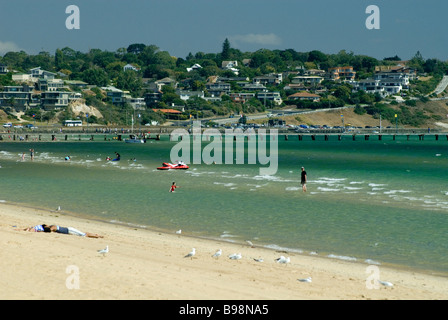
238,256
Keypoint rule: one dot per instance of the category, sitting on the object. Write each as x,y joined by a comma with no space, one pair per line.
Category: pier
163,133
98,137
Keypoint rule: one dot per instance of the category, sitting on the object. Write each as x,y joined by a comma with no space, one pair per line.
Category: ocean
382,202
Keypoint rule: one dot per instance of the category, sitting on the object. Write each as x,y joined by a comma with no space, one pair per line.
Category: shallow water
381,201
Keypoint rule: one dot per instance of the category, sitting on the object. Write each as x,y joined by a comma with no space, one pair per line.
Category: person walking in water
173,187
303,179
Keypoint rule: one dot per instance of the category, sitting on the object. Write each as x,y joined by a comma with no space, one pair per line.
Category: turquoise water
373,201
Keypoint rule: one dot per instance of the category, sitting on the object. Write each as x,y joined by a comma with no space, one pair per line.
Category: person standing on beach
303,179
32,154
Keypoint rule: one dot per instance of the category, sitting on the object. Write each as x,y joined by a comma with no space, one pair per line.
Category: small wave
396,191
292,188
345,258
376,185
370,261
333,179
225,184
278,248
327,189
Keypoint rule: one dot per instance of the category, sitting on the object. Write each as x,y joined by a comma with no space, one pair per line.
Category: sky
184,26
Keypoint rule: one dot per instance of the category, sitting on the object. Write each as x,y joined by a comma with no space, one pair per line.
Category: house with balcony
152,98
54,100
218,88
273,96
370,86
17,97
307,80
136,103
269,79
241,97
41,74
342,73
395,78
50,84
117,96
187,94
253,87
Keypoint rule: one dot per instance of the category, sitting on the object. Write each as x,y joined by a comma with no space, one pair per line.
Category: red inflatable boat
173,166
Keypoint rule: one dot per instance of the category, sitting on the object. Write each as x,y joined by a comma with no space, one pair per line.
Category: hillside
435,112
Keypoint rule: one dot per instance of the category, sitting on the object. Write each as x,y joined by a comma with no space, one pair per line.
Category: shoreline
149,264
273,247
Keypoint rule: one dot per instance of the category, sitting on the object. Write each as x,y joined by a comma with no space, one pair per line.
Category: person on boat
173,187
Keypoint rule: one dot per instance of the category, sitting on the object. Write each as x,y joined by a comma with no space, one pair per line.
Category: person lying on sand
73,231
63,230
38,228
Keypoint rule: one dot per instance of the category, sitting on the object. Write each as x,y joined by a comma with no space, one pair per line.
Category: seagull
305,280
179,231
59,208
258,260
104,251
191,254
235,256
386,283
250,243
282,259
217,254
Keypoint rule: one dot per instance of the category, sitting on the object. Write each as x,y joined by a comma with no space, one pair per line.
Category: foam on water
339,257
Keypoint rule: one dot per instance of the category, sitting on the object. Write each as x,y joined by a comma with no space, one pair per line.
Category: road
275,113
441,86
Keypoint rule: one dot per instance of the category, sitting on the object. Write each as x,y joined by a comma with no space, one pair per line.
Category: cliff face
79,107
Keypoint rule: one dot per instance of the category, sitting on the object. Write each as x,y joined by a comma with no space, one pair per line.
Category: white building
270,96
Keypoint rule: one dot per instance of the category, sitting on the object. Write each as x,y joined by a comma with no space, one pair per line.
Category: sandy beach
151,265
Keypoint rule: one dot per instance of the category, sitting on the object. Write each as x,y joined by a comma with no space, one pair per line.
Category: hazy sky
183,26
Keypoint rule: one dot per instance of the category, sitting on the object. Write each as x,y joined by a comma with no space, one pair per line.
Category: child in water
173,187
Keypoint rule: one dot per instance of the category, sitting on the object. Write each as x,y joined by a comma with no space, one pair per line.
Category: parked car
7,125
30,126
18,126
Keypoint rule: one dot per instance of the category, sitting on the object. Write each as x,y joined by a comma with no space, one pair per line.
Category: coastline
150,265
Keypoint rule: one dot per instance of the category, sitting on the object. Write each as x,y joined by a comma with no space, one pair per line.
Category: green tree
136,48
96,76
225,53
129,80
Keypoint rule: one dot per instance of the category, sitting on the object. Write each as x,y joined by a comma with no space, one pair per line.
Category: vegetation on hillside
103,68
